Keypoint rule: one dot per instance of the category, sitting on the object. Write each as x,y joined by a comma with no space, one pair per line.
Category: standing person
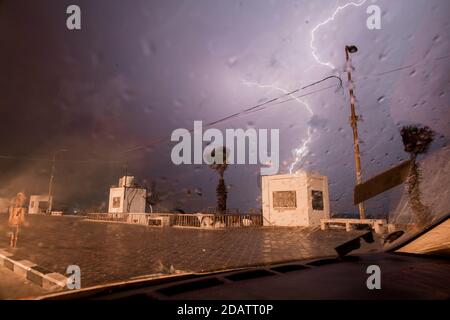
16,217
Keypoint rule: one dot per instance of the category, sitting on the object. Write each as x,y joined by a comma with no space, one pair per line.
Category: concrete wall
286,216
277,196
137,199
435,168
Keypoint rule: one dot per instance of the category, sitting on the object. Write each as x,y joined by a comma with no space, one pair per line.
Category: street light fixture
354,124
351,49
50,184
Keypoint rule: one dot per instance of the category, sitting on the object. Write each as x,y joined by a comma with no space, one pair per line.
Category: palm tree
416,140
220,165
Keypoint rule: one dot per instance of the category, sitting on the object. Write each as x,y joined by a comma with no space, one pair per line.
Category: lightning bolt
331,18
303,149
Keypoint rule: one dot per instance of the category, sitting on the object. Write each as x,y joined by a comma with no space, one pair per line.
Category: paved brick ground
109,252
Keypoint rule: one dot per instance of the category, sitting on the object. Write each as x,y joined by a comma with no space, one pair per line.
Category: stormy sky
137,70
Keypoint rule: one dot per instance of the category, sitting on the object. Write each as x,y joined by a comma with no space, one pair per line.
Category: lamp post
354,124
50,184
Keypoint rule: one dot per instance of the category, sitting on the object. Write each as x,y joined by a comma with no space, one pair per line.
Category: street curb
32,272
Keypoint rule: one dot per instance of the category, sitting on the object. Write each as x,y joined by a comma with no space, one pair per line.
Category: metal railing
238,220
211,221
136,218
207,221
116,217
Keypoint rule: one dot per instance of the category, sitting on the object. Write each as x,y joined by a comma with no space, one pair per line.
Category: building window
32,204
284,199
116,202
317,200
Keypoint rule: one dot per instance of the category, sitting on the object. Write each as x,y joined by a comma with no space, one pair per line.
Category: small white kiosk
127,197
39,204
291,200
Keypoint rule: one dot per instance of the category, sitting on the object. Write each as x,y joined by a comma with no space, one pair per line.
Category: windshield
433,242
153,138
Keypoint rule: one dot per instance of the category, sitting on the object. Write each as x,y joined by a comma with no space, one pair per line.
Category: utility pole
354,124
125,200
50,184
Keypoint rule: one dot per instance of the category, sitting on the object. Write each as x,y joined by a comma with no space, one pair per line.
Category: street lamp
50,184
354,124
351,49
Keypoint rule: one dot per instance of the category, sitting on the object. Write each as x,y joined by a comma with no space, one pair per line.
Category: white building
38,204
299,199
127,198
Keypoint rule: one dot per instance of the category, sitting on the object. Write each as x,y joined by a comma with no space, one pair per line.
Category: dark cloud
138,70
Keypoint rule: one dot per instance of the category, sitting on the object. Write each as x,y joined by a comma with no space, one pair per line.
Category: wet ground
108,252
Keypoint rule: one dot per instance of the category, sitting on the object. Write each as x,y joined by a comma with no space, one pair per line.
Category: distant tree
220,167
153,197
416,140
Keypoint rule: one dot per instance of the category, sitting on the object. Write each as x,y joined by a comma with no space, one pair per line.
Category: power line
258,106
416,64
254,108
261,106
23,158
250,110
8,157
297,97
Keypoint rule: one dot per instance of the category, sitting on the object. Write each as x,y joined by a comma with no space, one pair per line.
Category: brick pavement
109,252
